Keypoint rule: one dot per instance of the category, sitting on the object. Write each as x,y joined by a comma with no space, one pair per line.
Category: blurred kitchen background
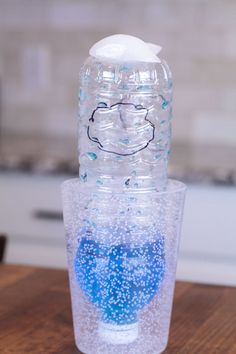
42,46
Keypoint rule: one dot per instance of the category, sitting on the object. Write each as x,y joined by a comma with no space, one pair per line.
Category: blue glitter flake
89,223
125,141
144,88
83,177
125,68
164,104
82,95
92,156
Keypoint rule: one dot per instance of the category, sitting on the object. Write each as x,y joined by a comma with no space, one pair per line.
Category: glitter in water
120,279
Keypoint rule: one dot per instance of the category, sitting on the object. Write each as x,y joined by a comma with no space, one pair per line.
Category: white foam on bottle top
125,48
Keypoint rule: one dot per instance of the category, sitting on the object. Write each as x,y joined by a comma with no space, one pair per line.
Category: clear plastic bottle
122,215
124,124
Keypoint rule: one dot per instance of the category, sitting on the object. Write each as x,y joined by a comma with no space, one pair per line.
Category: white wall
43,44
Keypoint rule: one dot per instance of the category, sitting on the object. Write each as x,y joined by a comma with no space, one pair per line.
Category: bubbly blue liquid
121,279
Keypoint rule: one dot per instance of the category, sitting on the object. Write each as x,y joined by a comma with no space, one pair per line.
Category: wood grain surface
35,315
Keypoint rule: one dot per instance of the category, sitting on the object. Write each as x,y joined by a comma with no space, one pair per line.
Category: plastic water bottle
122,215
124,124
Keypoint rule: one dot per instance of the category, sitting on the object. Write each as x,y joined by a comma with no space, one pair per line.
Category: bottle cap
118,334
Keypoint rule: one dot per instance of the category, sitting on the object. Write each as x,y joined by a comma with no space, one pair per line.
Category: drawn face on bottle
121,129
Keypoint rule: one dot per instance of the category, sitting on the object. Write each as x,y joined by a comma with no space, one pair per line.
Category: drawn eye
139,106
102,105
94,138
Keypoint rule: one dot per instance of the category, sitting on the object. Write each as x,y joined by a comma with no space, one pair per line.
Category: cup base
118,334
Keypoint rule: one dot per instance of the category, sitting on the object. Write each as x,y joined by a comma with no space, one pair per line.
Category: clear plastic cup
122,254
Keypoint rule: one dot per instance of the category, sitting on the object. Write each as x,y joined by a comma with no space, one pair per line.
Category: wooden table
35,315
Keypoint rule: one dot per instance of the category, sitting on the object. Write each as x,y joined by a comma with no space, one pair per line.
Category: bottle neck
125,178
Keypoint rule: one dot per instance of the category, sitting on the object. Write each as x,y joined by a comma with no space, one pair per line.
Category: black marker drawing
131,138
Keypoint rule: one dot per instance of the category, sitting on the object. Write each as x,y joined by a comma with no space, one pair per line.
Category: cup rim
173,186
